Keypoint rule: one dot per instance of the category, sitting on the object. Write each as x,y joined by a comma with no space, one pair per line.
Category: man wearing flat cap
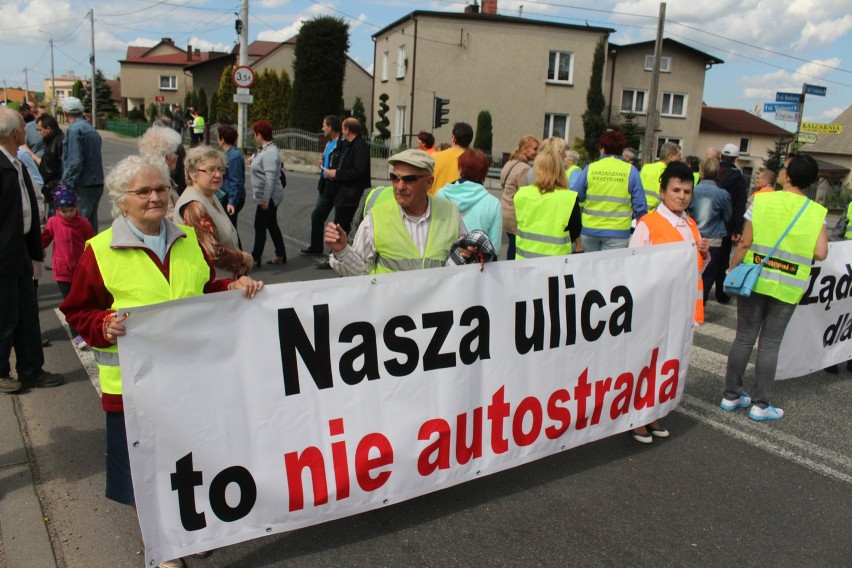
411,232
82,166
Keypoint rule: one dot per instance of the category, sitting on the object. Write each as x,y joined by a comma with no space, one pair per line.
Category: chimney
188,52
471,9
168,40
489,6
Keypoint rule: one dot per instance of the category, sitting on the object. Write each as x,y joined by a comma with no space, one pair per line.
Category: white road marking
85,355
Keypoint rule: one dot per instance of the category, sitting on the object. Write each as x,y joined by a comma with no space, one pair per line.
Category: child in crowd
69,232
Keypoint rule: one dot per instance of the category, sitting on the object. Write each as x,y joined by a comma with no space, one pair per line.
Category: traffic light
440,110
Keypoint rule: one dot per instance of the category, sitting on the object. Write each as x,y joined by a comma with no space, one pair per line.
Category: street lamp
52,76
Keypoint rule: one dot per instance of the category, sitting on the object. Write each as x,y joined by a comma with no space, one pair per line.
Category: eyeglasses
146,192
407,179
211,171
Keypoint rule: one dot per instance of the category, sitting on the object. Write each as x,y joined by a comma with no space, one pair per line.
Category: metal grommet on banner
269,529
152,563
477,472
136,444
385,502
372,280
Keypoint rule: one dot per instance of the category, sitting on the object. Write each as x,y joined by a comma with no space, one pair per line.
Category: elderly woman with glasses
142,259
199,208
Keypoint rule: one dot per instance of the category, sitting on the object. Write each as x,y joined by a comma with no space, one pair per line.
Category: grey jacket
266,175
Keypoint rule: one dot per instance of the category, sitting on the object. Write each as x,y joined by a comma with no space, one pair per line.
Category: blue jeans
20,327
595,244
767,317
88,197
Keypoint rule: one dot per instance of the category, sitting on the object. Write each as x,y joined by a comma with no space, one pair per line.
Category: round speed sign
243,77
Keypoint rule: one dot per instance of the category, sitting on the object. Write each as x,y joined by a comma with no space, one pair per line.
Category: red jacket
69,238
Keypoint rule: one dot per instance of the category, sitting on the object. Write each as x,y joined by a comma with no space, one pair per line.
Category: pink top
69,239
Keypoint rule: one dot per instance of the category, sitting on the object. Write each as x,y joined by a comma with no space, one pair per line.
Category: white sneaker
742,402
768,413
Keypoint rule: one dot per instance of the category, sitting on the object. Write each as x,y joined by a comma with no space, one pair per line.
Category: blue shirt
637,198
234,180
329,148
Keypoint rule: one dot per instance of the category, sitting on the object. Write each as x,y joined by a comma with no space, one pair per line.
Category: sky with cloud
767,45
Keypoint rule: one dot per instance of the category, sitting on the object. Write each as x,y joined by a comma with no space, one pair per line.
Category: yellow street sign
822,128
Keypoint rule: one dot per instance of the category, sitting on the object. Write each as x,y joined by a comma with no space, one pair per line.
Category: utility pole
649,150
242,112
26,86
94,72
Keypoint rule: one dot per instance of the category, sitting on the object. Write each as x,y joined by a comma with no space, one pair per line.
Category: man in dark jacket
21,259
50,165
732,180
351,173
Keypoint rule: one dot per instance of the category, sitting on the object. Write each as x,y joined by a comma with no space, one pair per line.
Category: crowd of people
175,225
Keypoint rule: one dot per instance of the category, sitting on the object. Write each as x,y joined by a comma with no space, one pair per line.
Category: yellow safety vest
695,178
134,280
542,222
650,175
608,204
568,173
396,251
848,234
377,195
785,275
198,125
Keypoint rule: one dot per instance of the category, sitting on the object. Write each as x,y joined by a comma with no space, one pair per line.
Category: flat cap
416,158
72,105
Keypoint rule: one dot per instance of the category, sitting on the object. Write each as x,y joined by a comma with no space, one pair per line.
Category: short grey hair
159,141
573,155
9,122
668,149
201,153
125,171
163,120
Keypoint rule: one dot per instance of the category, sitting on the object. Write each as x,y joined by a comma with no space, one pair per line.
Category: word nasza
566,315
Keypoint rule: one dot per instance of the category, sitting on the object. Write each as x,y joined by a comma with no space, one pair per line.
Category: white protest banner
820,331
318,400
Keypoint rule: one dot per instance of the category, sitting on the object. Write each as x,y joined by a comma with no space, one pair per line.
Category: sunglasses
409,178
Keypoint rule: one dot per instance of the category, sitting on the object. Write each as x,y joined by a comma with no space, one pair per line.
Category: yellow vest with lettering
133,280
396,251
848,234
608,204
542,222
785,275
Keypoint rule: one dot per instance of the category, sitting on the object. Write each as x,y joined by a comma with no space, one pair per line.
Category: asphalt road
721,491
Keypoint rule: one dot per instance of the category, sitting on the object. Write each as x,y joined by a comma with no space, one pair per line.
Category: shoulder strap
509,173
787,230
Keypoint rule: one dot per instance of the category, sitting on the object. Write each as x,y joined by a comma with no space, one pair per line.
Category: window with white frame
168,82
559,67
401,62
674,104
662,140
555,125
633,100
744,145
399,124
385,58
665,64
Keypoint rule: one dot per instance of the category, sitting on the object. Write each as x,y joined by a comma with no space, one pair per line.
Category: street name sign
247,99
822,128
787,116
787,97
806,137
774,107
815,90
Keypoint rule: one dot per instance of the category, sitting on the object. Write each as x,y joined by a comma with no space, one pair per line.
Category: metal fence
127,127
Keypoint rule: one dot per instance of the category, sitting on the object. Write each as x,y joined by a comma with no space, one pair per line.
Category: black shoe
832,369
311,252
324,265
723,299
44,381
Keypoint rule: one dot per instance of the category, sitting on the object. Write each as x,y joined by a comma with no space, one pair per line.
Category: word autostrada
558,320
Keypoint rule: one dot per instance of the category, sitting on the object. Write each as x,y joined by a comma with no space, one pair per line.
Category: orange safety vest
662,232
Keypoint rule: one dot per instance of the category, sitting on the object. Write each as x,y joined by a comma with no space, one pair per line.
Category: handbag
741,279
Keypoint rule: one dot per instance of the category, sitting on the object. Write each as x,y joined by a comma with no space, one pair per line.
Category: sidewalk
24,540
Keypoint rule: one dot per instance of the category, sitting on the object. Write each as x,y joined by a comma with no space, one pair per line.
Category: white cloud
205,45
272,3
825,32
58,20
765,86
282,34
143,42
830,114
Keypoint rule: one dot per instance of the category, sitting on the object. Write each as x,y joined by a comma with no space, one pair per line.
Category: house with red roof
754,136
158,74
